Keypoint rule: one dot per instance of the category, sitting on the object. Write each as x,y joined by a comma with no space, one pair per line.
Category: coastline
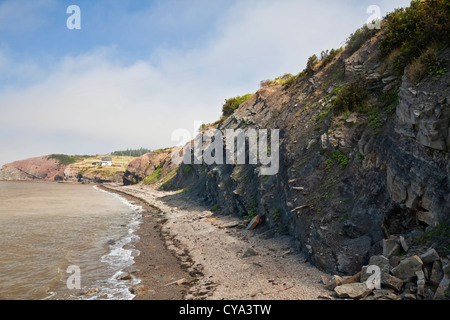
195,254
155,266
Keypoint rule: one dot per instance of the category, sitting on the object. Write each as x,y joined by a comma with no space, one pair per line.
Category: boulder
250,252
436,273
389,79
231,224
332,282
407,268
446,267
430,256
392,282
353,290
394,261
124,276
138,290
404,244
380,261
390,248
427,217
386,280
352,255
385,294
442,289
352,279
420,284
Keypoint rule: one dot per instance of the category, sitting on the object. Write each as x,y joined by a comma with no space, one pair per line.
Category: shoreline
197,255
156,267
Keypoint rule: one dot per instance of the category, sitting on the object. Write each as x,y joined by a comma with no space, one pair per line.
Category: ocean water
58,240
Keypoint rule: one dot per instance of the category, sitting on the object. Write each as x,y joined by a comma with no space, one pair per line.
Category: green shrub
390,101
64,159
265,83
276,214
286,80
321,116
233,103
439,235
340,158
351,98
357,39
290,81
434,67
187,170
327,56
312,61
411,30
251,214
131,152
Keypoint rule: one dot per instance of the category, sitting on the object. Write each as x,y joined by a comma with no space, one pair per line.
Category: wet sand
213,256
156,266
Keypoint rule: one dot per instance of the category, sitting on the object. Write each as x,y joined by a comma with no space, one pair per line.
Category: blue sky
137,70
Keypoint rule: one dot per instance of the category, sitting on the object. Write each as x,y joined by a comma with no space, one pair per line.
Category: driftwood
302,207
178,282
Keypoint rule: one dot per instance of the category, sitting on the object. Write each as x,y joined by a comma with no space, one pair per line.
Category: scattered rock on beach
429,256
424,275
231,224
436,273
91,291
353,290
407,268
250,252
124,276
138,290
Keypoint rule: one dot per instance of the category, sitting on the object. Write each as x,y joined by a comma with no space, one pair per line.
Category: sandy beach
188,252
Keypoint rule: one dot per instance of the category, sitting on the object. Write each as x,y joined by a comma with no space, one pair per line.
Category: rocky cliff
84,169
364,154
347,178
154,167
39,168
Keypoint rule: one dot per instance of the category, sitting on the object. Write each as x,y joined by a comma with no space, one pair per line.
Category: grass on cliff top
64,159
233,103
84,165
410,31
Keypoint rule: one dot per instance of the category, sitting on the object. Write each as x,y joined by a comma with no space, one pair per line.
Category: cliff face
346,181
78,169
155,167
39,168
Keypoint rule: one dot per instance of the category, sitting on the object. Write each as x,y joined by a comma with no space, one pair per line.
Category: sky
138,70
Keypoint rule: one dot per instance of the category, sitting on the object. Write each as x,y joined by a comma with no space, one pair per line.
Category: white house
107,161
